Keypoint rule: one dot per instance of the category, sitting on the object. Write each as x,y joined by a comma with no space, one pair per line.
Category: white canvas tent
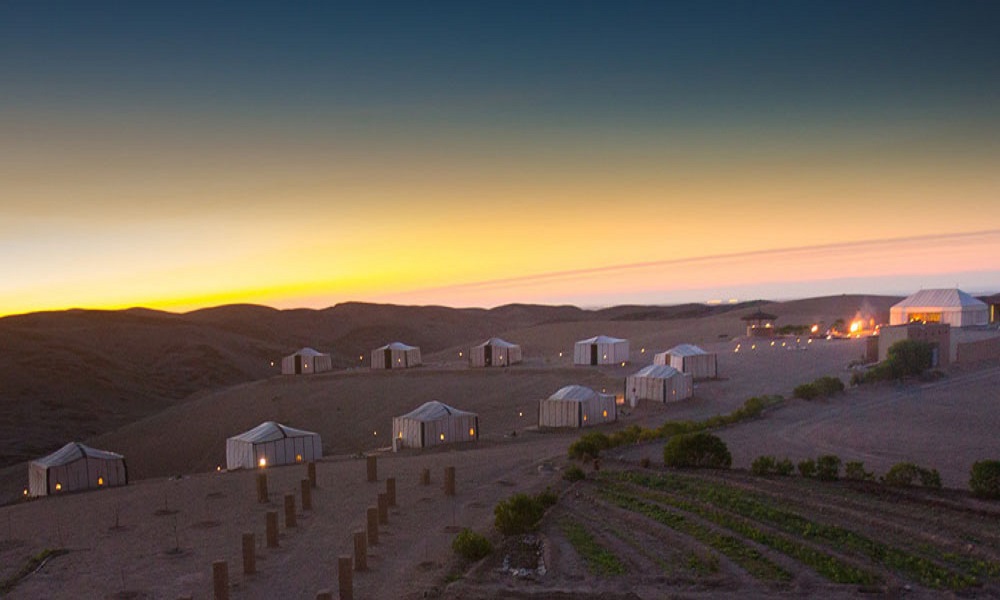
494,352
951,306
275,444
661,383
688,358
576,406
76,467
306,361
600,350
395,356
435,423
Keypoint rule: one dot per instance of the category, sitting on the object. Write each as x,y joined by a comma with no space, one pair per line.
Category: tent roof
309,352
575,393
435,411
270,431
686,350
498,343
75,451
396,346
946,298
657,371
601,339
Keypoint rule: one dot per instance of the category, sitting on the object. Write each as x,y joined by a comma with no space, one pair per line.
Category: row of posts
375,516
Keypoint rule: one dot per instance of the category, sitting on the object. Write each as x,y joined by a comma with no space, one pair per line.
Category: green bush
589,446
824,386
471,546
697,450
548,498
764,465
574,473
855,471
518,514
984,480
904,358
624,437
828,467
907,474
807,468
784,467
806,391
829,386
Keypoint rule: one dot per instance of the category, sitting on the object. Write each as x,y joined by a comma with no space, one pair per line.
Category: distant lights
262,462
25,491
560,355
218,468
623,363
375,433
460,355
520,413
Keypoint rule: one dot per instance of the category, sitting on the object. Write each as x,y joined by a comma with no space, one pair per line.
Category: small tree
906,474
697,450
763,465
855,471
471,546
784,467
518,514
828,467
807,468
589,446
910,357
806,391
984,480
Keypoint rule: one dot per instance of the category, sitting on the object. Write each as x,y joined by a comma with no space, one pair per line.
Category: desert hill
80,373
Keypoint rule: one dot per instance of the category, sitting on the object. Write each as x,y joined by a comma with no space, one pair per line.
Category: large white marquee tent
576,406
688,358
661,383
76,467
396,355
494,352
306,361
951,306
271,444
600,350
435,423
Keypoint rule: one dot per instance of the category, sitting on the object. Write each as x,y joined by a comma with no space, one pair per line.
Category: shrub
855,471
623,437
763,465
471,546
518,514
807,468
984,480
904,358
828,467
806,391
589,446
906,474
697,450
574,473
829,386
784,467
548,498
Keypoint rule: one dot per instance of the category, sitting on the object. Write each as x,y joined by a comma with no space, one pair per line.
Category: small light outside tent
306,361
76,467
951,306
576,406
270,444
435,423
688,358
395,356
661,383
600,350
494,352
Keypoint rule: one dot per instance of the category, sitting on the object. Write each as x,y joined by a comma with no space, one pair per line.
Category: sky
177,155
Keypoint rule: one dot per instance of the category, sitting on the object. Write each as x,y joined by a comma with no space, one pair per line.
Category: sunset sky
184,154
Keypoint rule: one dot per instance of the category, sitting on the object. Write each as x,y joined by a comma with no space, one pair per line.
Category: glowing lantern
605,413
605,357
262,462
623,363
643,351
305,366
218,468
560,355
520,414
58,486
584,417
100,481
25,491
814,329
472,431
400,436
460,355
442,437
298,458
375,433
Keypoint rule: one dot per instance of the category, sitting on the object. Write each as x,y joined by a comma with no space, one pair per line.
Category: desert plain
166,390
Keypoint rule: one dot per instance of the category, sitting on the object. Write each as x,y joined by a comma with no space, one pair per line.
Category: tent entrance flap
388,358
298,364
488,355
593,354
